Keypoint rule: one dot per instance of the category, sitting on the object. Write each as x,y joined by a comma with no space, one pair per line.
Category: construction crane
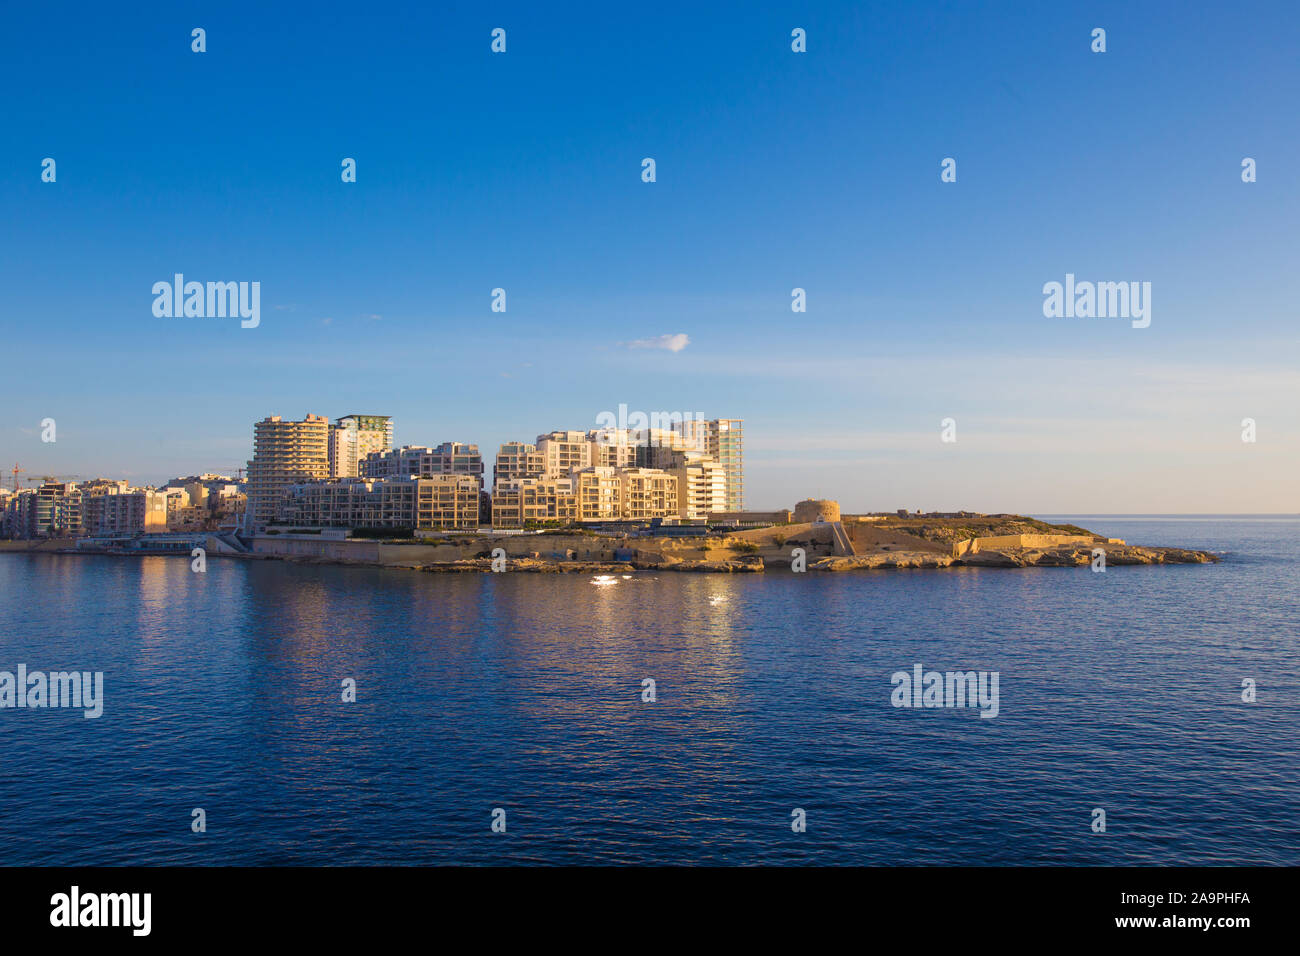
17,469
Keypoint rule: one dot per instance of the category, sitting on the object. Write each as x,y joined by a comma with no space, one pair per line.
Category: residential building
701,486
564,452
53,512
353,438
449,502
517,502
598,494
613,447
207,479
517,459
723,439
187,507
646,493
284,453
127,512
727,445
20,514
449,458
106,486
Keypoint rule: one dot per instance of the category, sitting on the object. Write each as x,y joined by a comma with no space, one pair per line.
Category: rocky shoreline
1066,557
899,543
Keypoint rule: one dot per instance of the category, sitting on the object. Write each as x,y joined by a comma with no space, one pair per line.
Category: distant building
20,514
722,439
284,453
598,494
669,444
207,479
613,447
136,511
57,510
517,502
564,452
105,486
203,502
702,486
353,438
647,493
517,459
448,502
449,458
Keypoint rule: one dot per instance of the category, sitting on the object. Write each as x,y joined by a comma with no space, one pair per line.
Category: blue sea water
1119,691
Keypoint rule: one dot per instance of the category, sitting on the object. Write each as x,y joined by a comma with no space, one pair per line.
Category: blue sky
775,170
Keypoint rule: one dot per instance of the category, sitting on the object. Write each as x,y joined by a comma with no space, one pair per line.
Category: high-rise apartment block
284,453
353,438
701,486
723,440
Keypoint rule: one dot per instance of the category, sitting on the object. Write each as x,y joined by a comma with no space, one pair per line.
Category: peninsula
827,543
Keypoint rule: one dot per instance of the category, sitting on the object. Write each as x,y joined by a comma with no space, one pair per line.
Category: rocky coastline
863,543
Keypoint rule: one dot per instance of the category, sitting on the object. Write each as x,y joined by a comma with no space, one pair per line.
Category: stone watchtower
816,509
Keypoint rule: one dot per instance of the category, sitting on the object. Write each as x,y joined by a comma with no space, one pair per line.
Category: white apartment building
354,437
701,486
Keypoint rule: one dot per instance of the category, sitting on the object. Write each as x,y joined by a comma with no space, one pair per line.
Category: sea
1146,715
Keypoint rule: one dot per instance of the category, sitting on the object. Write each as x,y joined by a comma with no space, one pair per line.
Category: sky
774,170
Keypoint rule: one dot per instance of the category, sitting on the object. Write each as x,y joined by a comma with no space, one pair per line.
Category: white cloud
671,343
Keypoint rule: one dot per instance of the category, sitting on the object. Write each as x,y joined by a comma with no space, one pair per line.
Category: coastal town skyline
49,460
346,473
